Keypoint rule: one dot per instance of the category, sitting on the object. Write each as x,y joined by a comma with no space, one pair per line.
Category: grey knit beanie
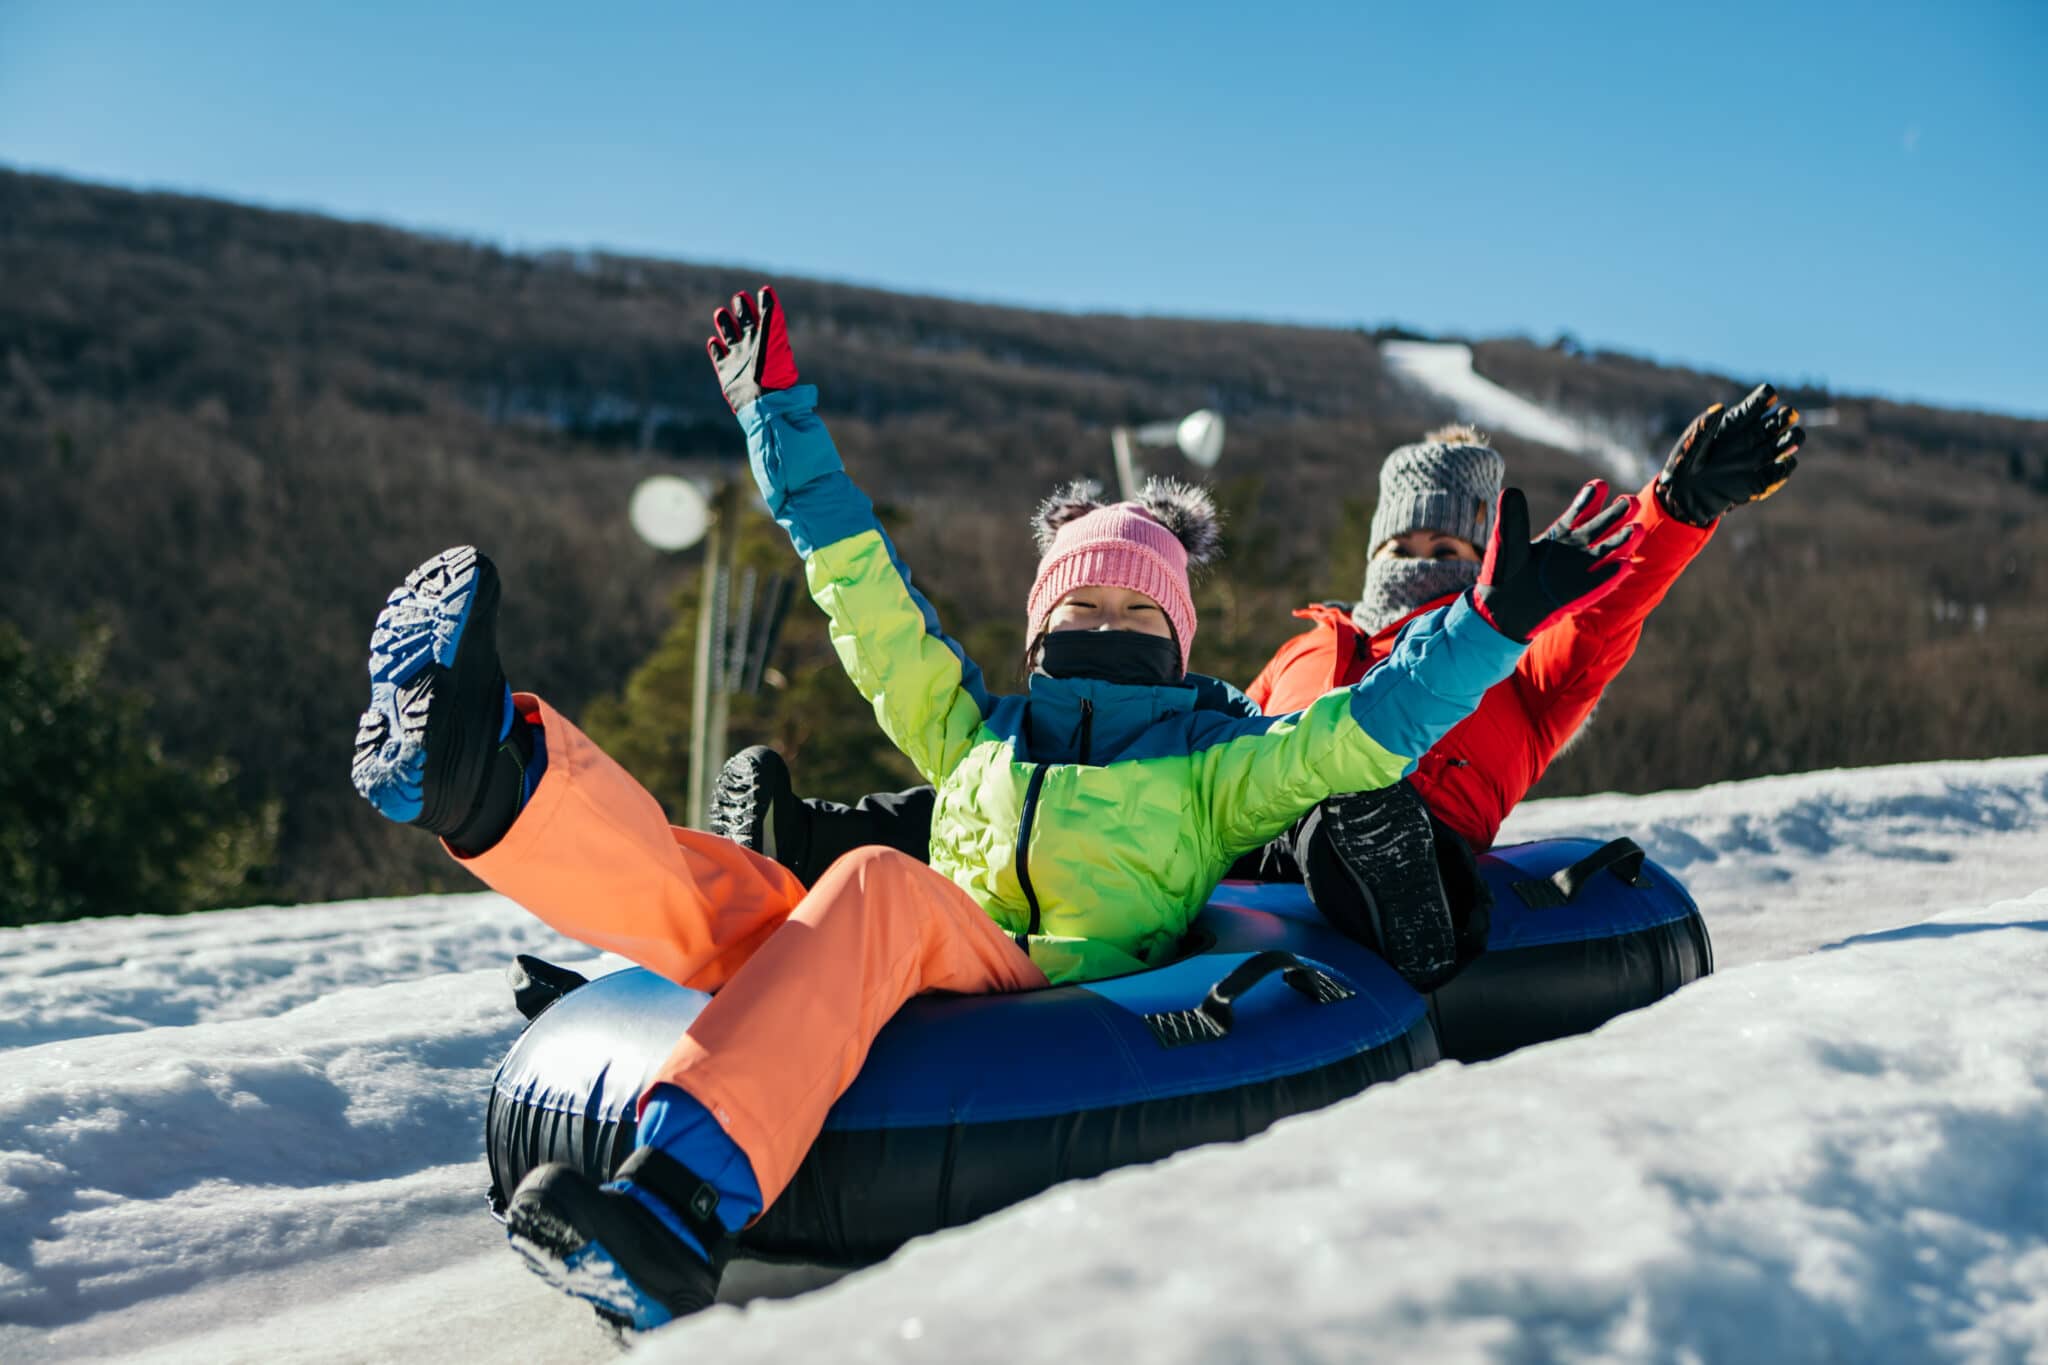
1447,482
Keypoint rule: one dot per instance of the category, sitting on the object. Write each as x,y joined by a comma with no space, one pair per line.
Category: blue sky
1855,193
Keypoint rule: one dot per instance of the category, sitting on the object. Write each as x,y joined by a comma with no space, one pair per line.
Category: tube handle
1213,1018
1622,857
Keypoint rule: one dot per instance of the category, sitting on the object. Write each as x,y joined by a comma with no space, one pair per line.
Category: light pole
707,676
1199,436
672,514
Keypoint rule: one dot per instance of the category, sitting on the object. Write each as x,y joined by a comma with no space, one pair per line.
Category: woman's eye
1444,552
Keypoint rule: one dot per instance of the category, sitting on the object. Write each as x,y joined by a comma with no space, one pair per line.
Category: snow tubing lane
970,1103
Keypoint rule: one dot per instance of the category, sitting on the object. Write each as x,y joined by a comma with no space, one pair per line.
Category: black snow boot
755,805
607,1248
1391,892
439,746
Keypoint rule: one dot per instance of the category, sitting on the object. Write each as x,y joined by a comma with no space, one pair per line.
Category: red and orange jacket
1478,772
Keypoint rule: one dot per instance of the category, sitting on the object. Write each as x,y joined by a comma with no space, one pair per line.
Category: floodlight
1199,436
669,513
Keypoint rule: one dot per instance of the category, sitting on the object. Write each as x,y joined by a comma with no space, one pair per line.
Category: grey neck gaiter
1395,587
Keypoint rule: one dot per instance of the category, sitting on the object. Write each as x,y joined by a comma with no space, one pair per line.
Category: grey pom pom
1069,502
1189,512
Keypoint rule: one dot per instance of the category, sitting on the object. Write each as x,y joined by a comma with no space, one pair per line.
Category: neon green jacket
1092,820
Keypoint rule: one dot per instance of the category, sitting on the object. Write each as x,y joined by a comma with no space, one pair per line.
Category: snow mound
257,1135
1843,1157
89,977
1785,865
1445,370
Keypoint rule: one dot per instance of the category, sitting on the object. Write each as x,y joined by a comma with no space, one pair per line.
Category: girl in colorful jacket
1078,830
1394,867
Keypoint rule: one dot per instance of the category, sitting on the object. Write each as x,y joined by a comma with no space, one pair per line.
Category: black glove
1525,585
750,350
1729,456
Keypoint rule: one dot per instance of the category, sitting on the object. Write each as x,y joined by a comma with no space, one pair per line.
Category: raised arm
1262,775
927,694
1726,458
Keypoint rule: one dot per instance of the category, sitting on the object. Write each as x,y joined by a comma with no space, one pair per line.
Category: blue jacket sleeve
1261,775
1442,663
799,472
928,695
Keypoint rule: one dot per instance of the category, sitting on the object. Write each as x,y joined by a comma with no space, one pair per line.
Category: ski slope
1445,370
256,1135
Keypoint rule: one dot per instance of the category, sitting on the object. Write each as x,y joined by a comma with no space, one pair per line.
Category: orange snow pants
804,980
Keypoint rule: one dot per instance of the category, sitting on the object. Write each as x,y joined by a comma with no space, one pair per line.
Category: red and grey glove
750,349
1730,456
1527,585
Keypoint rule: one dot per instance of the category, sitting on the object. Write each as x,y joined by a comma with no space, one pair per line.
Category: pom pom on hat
1069,502
1189,512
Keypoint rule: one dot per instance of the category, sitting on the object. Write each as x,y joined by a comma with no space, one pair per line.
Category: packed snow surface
1445,369
256,1135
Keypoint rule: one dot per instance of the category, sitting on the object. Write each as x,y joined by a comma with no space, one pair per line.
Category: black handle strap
1212,1019
1622,857
537,984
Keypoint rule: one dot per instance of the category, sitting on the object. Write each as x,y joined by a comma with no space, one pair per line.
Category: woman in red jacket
1435,508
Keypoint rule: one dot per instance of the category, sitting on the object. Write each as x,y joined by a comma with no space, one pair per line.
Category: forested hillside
226,432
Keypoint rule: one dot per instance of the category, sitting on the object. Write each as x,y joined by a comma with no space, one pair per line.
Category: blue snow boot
607,1247
440,746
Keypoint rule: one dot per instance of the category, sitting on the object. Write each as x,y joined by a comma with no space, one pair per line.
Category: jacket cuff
1471,630
787,445
1657,521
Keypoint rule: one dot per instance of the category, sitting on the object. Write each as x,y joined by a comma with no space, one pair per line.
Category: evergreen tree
94,818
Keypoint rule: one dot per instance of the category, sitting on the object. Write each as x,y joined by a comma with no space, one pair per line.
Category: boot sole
555,1250
447,601
1405,897
741,809
560,1221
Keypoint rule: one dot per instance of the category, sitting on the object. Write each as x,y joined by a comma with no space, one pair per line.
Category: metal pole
700,679
721,697
741,648
1126,461
707,682
717,750
774,607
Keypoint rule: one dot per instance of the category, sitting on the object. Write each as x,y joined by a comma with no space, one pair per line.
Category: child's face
1109,609
1427,545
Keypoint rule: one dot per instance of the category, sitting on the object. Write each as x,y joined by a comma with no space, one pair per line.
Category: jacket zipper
1031,791
1024,847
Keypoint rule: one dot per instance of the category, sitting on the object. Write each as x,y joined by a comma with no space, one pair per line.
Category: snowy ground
256,1135
1445,369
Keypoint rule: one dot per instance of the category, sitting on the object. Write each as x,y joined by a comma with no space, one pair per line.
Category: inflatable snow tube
970,1103
1581,932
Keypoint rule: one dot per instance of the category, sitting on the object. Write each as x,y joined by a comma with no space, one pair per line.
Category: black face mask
1111,656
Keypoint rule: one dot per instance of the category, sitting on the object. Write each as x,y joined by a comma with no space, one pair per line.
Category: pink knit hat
1146,546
